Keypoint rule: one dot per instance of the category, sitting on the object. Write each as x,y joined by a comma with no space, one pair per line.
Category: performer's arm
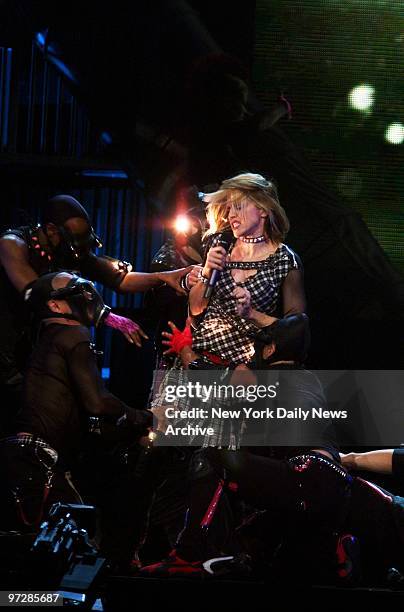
91,391
197,302
115,274
293,294
180,343
215,260
293,300
15,261
374,461
260,318
142,281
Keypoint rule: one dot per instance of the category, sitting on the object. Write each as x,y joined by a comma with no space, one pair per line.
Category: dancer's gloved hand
141,419
177,340
131,330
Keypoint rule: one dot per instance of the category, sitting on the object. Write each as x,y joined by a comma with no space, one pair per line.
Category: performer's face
246,219
84,302
72,241
76,226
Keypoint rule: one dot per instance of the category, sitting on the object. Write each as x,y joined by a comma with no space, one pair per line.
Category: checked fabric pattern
221,331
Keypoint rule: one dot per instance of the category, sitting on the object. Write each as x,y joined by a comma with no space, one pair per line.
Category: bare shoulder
14,257
12,245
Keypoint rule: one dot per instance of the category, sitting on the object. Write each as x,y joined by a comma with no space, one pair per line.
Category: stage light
362,97
394,133
182,224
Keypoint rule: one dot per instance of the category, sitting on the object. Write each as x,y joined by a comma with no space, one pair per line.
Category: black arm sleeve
293,295
106,270
89,386
398,463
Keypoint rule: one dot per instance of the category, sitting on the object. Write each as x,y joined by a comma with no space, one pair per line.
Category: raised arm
142,281
215,260
93,395
114,273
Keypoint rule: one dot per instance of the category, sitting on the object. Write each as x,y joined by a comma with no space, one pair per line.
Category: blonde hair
238,191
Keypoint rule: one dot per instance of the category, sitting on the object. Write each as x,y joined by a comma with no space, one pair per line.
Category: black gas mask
85,302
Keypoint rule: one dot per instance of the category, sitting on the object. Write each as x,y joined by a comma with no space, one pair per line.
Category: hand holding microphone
216,260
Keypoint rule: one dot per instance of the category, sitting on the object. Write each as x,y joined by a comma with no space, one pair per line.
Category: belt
216,359
301,462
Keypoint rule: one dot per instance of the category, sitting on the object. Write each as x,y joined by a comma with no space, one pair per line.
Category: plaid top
224,333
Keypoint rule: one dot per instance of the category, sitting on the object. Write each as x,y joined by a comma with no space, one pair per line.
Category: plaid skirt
227,433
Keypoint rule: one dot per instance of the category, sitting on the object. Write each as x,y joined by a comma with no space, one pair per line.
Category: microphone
226,240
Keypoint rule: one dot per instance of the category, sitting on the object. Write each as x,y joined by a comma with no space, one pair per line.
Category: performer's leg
262,481
30,485
197,541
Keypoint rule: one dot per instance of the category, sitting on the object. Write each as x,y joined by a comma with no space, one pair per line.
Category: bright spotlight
394,133
362,97
182,224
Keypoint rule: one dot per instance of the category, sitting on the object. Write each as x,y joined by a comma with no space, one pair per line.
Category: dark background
95,102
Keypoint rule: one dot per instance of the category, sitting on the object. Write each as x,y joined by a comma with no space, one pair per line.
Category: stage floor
208,592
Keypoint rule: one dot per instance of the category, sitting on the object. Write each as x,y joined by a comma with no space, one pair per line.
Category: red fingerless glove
179,340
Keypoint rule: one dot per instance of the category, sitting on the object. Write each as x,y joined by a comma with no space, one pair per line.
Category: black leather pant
30,482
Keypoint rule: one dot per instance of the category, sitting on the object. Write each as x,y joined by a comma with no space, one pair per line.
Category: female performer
261,278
